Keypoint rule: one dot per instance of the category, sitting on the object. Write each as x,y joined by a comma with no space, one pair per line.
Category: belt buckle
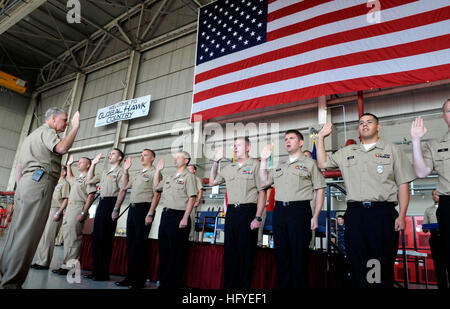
285,203
367,204
236,205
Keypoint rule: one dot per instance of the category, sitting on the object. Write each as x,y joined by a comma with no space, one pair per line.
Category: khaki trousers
47,243
72,232
31,209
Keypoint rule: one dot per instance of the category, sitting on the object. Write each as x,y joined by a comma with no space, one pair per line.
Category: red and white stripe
319,47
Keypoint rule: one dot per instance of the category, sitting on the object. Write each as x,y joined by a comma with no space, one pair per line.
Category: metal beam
22,9
24,133
153,43
75,101
155,17
133,11
63,9
38,51
128,93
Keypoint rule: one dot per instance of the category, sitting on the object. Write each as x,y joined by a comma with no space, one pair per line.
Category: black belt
371,204
173,210
137,204
107,197
292,203
236,205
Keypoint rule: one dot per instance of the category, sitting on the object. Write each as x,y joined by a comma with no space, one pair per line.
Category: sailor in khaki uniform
312,244
142,191
81,197
38,170
179,193
296,180
246,201
376,176
435,156
47,243
436,245
104,225
193,170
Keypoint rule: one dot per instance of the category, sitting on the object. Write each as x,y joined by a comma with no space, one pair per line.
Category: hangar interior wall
13,108
166,72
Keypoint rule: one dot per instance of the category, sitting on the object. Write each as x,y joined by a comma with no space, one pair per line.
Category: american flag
257,53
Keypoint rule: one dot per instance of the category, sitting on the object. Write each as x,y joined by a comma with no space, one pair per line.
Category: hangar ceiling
39,45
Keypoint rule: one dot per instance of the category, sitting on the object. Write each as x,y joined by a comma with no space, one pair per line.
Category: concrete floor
45,279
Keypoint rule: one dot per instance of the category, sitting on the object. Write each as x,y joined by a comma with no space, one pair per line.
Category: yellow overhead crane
11,82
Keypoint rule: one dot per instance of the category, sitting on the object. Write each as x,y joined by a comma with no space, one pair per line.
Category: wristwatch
83,213
150,215
116,209
259,219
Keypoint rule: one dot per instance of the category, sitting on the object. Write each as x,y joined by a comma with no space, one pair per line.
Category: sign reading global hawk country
123,110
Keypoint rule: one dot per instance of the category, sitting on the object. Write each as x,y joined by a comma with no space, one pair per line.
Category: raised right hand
418,130
97,159
76,120
219,154
70,160
127,163
265,153
160,165
326,130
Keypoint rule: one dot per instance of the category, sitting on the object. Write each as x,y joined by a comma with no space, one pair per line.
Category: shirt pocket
442,161
383,167
179,189
299,178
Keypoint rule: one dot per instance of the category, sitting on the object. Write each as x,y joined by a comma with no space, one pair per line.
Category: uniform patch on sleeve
180,181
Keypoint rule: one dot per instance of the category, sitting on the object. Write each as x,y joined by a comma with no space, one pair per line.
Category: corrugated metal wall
58,96
13,108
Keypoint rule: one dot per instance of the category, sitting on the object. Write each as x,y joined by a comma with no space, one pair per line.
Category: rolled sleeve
334,159
427,155
160,187
270,174
95,180
257,180
65,190
191,186
403,170
50,139
220,179
317,178
91,189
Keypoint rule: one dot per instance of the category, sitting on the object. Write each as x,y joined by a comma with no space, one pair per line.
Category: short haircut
89,160
370,114
53,111
245,138
307,151
340,216
193,165
296,132
186,156
121,154
151,151
445,103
